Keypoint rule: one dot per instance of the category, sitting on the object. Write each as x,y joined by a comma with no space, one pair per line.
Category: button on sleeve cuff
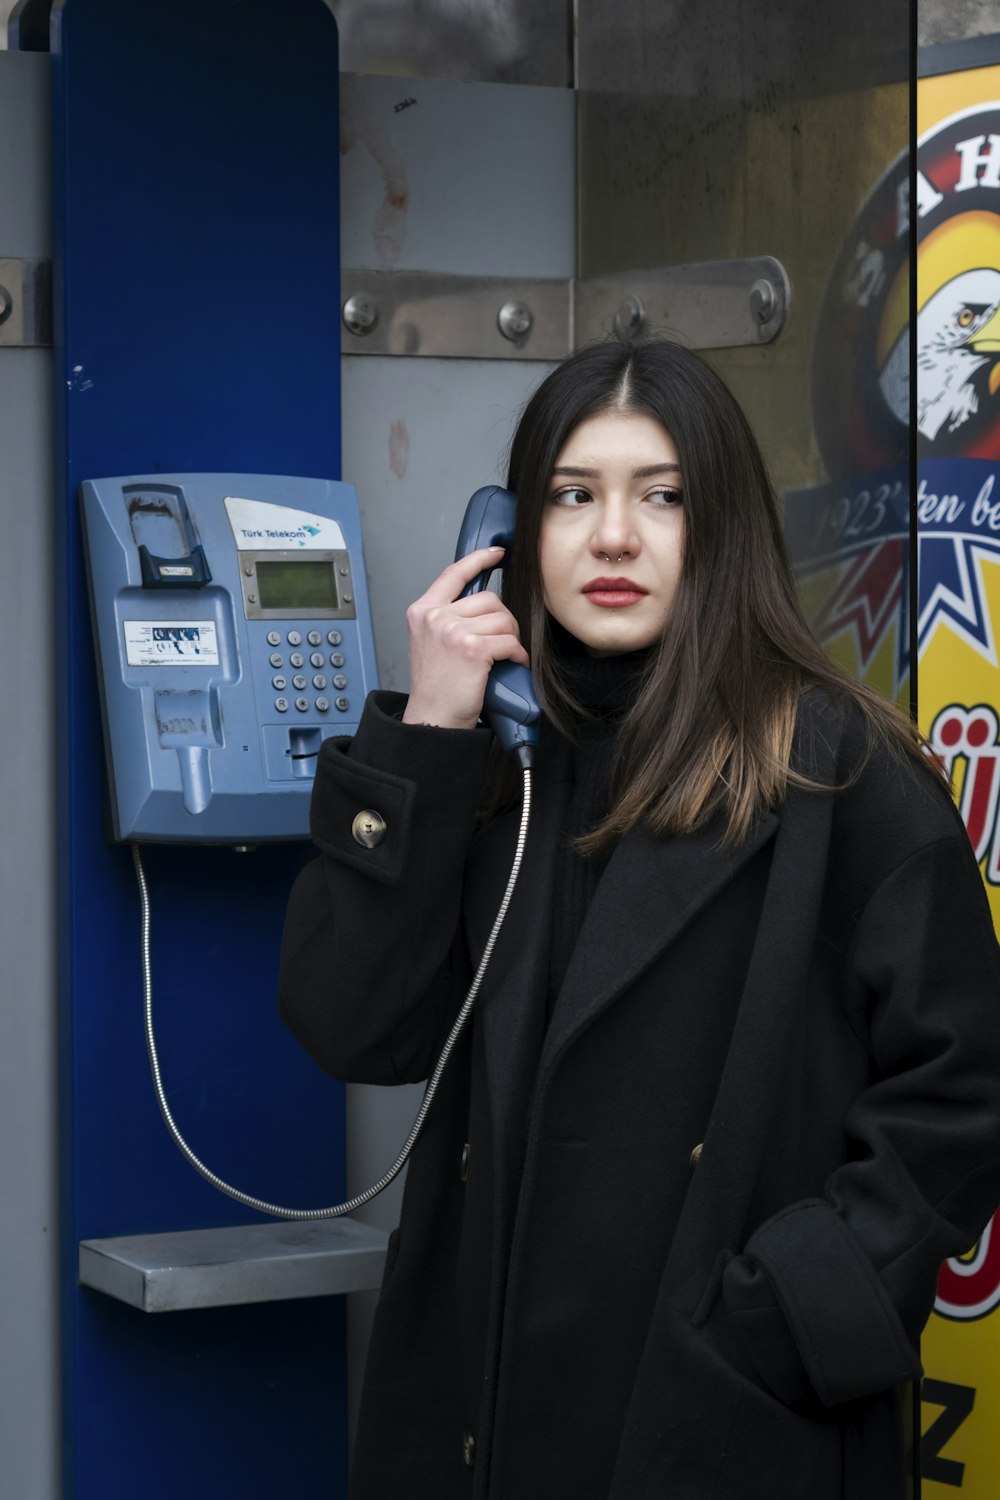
370,791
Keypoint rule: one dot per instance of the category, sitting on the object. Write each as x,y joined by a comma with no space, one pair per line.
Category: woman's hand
454,643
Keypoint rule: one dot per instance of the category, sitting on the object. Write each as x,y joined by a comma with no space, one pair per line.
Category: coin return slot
303,747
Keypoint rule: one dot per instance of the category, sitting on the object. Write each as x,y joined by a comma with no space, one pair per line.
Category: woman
730,1092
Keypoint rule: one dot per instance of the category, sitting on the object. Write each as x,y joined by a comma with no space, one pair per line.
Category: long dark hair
713,725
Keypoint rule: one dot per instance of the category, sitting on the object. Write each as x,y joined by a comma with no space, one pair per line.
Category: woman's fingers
458,575
454,641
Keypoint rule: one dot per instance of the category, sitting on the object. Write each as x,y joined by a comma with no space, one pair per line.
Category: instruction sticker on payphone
233,633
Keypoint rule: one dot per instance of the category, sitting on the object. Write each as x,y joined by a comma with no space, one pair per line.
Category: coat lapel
760,1064
652,889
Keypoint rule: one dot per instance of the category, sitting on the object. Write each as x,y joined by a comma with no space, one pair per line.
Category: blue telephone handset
509,704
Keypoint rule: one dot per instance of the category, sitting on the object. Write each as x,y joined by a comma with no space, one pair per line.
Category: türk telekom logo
967,740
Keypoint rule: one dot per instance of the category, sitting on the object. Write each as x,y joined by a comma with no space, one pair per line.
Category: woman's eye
570,497
666,497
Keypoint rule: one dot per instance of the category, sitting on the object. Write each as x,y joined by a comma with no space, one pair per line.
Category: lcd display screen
287,585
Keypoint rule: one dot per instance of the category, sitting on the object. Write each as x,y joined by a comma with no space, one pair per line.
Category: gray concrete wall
29,1357
956,20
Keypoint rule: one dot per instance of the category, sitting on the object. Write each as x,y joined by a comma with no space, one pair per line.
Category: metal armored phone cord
356,1202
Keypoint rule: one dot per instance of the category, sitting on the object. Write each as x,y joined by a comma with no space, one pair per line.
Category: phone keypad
319,701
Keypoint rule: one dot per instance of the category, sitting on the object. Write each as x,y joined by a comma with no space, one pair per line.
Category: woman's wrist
433,716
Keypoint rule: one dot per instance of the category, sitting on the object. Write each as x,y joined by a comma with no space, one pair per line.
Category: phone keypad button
316,659
281,704
314,638
319,682
295,638
276,659
322,705
296,659
340,681
279,684
273,638
302,704
334,637
298,682
337,659
343,704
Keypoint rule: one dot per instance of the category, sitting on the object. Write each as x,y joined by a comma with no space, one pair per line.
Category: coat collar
652,890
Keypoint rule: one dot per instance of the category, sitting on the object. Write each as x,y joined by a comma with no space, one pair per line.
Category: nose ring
607,558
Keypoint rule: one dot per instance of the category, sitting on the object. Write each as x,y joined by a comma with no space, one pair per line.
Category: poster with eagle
850,541
957,412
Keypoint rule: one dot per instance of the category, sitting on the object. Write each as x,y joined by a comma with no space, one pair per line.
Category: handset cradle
509,703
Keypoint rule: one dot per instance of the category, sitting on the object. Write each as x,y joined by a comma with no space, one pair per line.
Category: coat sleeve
830,1294
371,972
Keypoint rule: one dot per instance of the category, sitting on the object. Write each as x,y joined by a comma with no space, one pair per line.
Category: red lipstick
614,593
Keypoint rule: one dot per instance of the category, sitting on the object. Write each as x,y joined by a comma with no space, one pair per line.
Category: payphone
233,627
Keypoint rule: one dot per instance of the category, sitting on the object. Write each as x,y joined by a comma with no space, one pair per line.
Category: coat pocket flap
847,1333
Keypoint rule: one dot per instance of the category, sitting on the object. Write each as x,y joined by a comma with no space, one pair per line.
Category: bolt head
515,320
360,314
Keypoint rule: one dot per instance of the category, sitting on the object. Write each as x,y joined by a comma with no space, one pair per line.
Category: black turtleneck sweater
606,687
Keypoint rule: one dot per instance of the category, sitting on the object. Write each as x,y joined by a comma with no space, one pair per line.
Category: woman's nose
614,537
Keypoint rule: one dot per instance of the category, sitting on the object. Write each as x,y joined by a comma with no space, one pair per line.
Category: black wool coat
682,1241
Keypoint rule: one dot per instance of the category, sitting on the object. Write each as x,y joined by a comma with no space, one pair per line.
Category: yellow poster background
961,1357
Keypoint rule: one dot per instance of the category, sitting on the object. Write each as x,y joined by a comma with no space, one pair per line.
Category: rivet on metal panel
762,301
360,314
515,320
630,317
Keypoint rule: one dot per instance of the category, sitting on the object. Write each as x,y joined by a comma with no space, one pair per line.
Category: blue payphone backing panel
196,318
233,626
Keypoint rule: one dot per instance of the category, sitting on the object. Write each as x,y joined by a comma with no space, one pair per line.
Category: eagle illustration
958,341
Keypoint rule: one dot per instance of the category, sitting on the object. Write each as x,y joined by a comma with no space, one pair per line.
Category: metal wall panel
470,179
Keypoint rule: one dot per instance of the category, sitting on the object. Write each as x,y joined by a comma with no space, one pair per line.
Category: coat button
368,828
468,1449
463,1170
695,1156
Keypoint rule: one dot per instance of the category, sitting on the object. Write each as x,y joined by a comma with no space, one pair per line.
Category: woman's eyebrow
646,472
651,469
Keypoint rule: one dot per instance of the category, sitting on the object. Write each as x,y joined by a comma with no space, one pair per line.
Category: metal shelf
225,1267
